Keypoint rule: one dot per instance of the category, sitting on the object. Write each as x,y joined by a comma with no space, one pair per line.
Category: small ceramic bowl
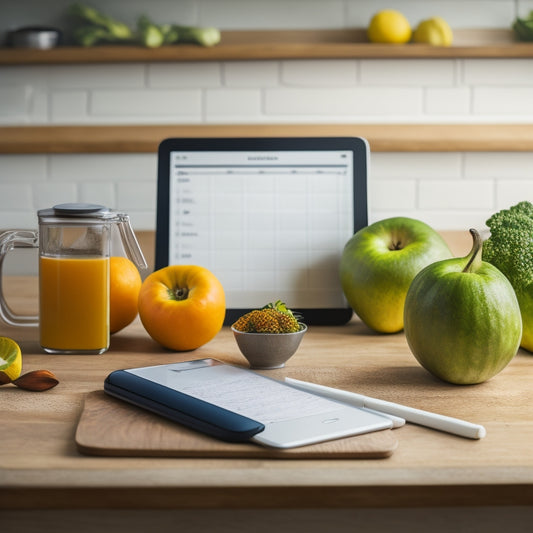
268,350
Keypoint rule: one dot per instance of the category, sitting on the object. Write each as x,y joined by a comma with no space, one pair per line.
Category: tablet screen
270,224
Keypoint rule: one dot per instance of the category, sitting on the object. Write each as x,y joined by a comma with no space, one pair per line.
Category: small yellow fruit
389,26
435,31
10,358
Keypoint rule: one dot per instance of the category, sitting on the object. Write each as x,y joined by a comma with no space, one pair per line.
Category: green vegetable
91,35
103,26
523,27
201,36
96,27
150,35
510,245
170,33
510,249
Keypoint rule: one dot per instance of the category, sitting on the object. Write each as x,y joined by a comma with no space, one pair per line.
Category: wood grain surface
110,427
145,138
42,467
253,45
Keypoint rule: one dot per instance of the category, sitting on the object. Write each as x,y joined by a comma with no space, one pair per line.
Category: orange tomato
182,306
124,286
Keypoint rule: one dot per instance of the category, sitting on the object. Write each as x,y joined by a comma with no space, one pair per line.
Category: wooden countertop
41,467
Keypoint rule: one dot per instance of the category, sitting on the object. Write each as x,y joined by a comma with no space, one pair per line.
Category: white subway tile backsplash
407,72
510,192
14,102
319,73
456,194
18,219
392,194
413,165
180,103
68,106
79,168
99,193
99,76
27,168
236,103
359,101
447,101
14,196
502,72
47,195
512,101
140,197
184,75
274,14
20,75
251,74
499,165
39,109
142,220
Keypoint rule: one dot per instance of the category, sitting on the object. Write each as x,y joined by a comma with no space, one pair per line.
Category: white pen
410,414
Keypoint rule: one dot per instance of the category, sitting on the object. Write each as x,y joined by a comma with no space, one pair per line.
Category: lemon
10,358
435,31
389,26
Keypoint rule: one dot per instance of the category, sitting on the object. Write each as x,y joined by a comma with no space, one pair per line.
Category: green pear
462,318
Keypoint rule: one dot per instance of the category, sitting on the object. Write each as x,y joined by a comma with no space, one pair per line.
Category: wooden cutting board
112,427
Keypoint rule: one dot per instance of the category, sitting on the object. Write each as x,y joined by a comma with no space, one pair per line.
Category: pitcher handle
130,242
8,241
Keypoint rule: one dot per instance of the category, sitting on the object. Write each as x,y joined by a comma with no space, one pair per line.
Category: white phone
237,404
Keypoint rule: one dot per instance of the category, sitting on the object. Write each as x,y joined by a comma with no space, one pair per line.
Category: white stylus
410,414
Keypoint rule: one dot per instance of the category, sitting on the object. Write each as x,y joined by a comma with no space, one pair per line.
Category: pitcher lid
77,210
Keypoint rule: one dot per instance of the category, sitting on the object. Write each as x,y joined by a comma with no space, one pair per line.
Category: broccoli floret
510,245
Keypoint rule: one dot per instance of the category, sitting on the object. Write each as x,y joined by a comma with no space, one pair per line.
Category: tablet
236,404
268,216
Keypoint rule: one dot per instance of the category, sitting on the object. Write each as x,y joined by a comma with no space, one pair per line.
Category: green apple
378,264
462,318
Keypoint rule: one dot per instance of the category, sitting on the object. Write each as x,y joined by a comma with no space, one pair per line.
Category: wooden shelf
381,137
298,44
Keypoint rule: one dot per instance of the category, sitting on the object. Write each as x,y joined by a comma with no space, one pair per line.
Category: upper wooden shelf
297,44
145,138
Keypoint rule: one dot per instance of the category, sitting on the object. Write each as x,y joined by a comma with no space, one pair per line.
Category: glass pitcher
74,243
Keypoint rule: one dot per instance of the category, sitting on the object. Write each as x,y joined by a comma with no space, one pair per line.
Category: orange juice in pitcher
74,303
74,247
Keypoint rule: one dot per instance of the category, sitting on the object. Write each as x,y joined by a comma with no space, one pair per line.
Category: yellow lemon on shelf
10,358
389,26
435,31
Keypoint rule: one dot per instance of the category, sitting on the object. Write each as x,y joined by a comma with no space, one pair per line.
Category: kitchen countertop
42,469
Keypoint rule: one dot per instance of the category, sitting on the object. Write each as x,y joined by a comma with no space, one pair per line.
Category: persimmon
182,307
124,286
